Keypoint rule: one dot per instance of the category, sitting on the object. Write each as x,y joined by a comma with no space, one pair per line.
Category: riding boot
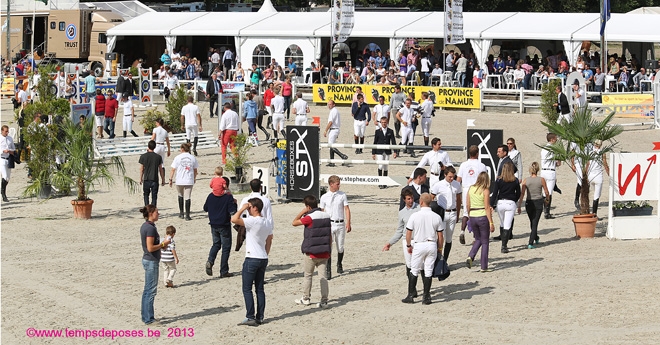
505,241
594,206
397,128
334,150
427,290
556,189
356,141
4,190
426,141
275,134
124,134
547,208
195,145
188,210
340,268
134,134
513,221
446,251
283,134
499,238
361,142
576,202
328,268
181,207
412,288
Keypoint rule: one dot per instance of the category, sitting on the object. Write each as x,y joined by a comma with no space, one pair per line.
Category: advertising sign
445,97
302,152
635,176
343,19
640,104
454,22
487,141
83,109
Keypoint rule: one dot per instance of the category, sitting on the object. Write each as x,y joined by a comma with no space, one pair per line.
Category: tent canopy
623,27
540,26
204,26
155,23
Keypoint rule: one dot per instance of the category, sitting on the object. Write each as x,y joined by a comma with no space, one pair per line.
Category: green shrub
178,99
148,120
548,98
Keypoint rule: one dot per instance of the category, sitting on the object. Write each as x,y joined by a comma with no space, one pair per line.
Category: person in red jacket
99,110
268,96
111,106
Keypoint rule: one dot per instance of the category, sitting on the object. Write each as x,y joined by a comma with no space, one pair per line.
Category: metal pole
603,42
8,30
34,10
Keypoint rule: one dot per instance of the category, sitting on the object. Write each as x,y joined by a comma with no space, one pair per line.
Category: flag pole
603,41
34,12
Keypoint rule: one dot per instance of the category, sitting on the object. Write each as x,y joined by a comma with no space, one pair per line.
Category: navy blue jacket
220,209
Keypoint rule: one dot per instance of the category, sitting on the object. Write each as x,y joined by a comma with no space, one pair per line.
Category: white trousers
301,120
333,134
568,117
98,120
406,135
4,169
426,126
550,177
278,121
406,255
597,182
192,131
161,150
423,255
383,157
505,210
450,224
359,127
339,234
127,123
169,269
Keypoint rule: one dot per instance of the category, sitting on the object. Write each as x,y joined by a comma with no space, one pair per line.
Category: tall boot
181,207
499,238
427,290
134,134
283,134
265,132
124,134
334,150
328,267
547,208
412,288
594,206
397,128
446,251
505,241
188,210
195,145
576,202
356,141
513,221
426,141
4,190
361,142
340,268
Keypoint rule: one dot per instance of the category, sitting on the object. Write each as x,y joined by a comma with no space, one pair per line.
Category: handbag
441,269
11,163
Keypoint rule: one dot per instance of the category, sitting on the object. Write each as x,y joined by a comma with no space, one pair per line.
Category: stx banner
302,152
487,141
445,97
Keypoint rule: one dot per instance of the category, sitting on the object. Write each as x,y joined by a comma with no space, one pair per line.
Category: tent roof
539,26
624,28
288,24
231,25
154,23
127,9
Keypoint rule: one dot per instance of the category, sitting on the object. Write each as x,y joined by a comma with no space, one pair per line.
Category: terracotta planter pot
82,209
585,225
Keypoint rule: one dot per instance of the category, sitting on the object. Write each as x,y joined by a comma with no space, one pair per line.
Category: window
261,56
341,52
53,25
103,38
62,25
294,52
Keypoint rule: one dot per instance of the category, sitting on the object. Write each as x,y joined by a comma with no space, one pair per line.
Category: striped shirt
166,254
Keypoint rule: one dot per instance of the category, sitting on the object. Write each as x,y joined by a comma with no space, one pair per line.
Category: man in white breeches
278,113
448,194
548,171
405,116
427,113
335,203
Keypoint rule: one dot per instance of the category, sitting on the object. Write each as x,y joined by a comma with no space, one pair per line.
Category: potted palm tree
82,170
575,145
238,157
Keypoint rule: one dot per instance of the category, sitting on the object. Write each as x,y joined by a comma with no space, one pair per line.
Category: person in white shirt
424,69
227,59
191,121
447,193
427,114
405,116
410,207
467,176
518,76
301,109
436,74
335,203
424,239
171,83
185,167
36,78
436,159
129,115
215,61
278,113
228,129
549,171
267,210
381,110
22,98
6,148
161,137
332,131
60,82
579,96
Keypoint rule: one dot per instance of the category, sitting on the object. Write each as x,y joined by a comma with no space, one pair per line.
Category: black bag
11,164
437,209
262,112
441,269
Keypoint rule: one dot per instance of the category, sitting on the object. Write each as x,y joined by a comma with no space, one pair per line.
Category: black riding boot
124,134
505,241
361,142
181,207
356,141
4,190
594,206
334,150
188,210
340,258
195,145
547,208
397,128
134,134
328,267
427,290
446,251
412,289
426,142
576,202
499,238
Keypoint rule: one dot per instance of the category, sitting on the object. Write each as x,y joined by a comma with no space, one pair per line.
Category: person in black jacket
562,106
503,154
418,186
220,210
213,93
505,194
383,136
119,88
130,85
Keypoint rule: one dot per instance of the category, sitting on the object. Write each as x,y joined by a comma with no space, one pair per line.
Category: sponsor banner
343,19
280,178
83,109
227,86
360,179
454,22
635,176
487,141
445,97
302,153
639,104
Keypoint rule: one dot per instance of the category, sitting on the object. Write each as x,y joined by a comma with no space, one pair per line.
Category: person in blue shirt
165,59
499,65
250,115
292,67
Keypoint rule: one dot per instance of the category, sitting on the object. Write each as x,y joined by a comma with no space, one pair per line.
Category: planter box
640,211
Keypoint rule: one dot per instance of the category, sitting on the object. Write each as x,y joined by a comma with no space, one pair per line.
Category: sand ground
60,273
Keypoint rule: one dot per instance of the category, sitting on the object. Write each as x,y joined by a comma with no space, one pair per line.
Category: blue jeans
150,290
287,106
221,240
254,271
252,125
109,127
150,187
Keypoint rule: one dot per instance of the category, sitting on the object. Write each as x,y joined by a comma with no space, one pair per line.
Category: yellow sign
445,97
637,104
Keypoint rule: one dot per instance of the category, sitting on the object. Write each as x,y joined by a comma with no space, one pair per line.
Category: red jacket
100,105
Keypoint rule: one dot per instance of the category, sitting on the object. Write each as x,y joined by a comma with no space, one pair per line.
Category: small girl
169,258
218,183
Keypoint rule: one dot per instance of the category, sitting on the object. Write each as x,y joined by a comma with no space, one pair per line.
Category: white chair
510,83
455,82
445,79
414,79
12,132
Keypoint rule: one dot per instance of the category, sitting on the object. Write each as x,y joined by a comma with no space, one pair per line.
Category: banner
631,104
445,97
362,179
487,141
343,18
83,109
454,22
604,15
146,87
302,152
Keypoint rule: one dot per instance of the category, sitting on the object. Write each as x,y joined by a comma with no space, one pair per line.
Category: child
169,258
218,183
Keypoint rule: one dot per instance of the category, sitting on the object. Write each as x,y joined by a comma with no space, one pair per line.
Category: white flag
343,17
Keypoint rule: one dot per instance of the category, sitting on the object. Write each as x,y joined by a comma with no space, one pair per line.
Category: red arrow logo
656,145
635,171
